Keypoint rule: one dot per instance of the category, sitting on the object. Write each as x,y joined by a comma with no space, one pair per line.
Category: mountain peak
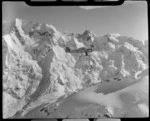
38,69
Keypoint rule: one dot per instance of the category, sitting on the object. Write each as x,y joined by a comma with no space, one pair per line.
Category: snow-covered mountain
37,69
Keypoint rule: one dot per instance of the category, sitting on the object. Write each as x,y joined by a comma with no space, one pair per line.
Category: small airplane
79,50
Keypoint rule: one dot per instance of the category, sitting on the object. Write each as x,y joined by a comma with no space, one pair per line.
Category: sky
127,19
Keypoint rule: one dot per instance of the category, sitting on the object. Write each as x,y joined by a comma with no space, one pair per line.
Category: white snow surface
38,70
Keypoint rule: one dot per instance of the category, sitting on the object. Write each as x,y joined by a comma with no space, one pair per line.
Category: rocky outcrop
37,69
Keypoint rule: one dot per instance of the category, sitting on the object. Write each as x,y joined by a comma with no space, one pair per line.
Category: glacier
38,71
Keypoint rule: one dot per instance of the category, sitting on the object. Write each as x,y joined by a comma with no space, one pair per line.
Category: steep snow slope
37,69
129,101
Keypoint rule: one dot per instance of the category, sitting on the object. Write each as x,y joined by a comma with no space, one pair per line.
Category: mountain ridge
37,67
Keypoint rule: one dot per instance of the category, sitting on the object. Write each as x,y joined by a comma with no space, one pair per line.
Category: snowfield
130,101
41,79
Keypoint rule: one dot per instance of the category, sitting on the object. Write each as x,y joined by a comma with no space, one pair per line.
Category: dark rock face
40,64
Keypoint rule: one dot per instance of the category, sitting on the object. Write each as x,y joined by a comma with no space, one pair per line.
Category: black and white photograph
75,62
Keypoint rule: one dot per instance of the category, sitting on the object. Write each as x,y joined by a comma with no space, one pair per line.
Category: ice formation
37,69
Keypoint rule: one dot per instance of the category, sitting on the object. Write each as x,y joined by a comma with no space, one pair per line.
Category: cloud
95,7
